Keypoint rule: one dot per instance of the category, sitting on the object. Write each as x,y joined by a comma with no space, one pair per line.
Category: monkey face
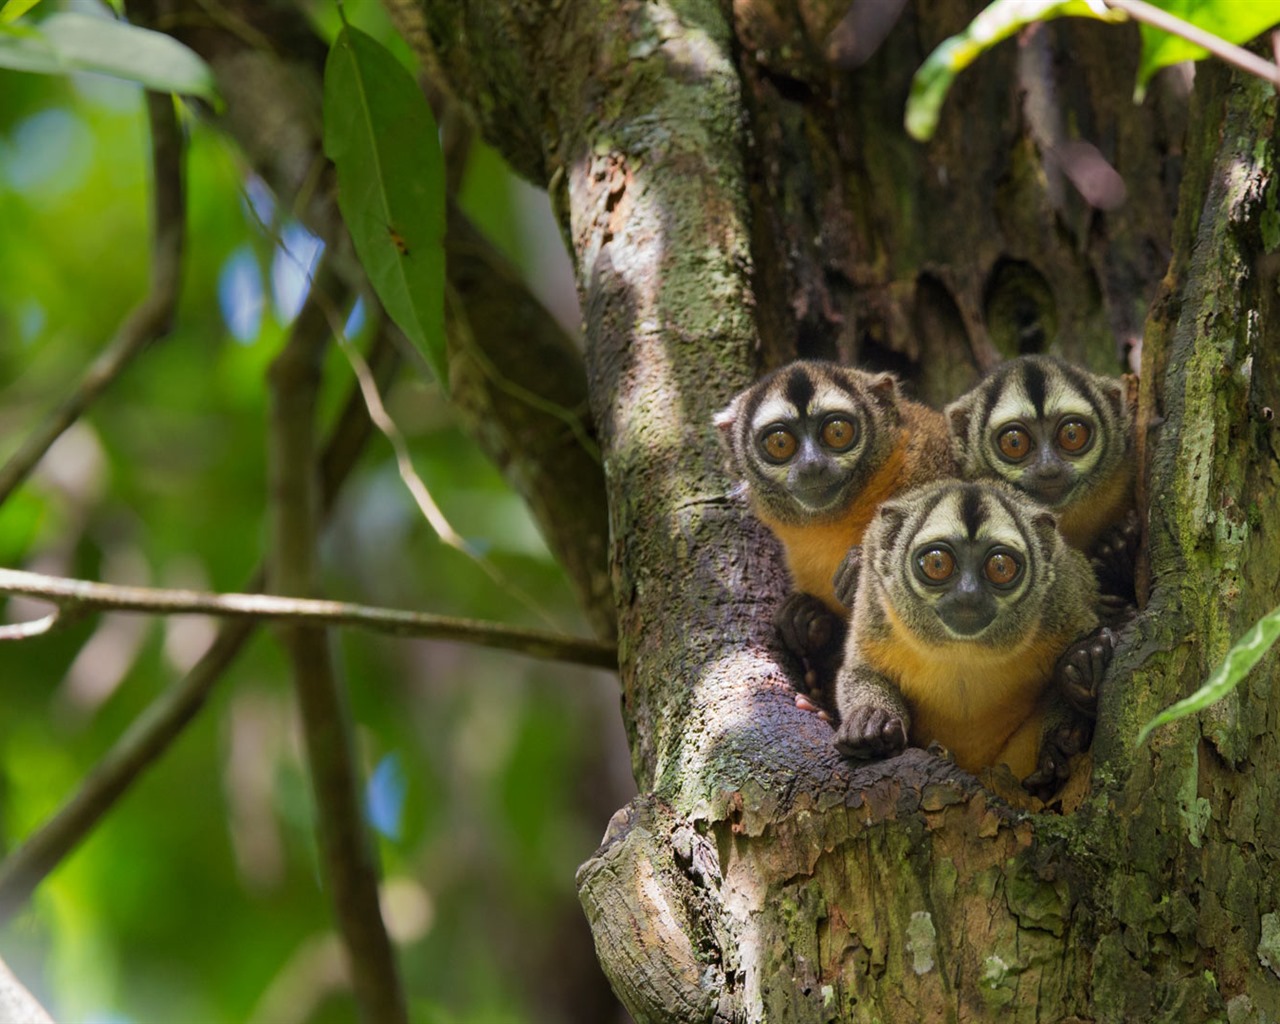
964,562
964,581
807,437
1048,428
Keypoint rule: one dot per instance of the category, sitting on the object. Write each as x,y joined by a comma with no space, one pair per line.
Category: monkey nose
1049,480
966,611
1048,466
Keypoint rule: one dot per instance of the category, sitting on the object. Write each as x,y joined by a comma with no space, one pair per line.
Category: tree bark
735,195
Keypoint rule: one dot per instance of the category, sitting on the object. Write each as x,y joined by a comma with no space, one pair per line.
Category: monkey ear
725,420
1116,395
884,389
727,417
1046,526
957,414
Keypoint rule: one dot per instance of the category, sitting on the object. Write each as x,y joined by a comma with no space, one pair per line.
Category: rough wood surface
733,193
735,187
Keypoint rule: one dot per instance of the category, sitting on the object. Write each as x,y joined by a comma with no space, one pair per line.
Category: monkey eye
1001,568
1014,443
779,444
838,433
1074,436
937,565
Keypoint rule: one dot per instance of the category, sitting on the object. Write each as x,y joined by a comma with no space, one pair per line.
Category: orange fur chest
970,699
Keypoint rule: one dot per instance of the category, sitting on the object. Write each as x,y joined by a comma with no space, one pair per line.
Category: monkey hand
869,732
847,574
1114,558
814,634
1079,671
807,626
1060,742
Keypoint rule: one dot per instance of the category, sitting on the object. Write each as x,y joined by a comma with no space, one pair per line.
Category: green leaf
996,23
15,9
1236,22
379,132
64,43
1239,660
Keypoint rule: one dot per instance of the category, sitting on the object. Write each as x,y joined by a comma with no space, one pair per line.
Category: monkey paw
814,634
869,732
1078,673
1060,743
1115,610
808,627
1115,559
847,574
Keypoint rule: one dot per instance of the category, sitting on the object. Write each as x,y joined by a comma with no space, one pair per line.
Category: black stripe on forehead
1082,385
1037,387
971,509
992,388
799,388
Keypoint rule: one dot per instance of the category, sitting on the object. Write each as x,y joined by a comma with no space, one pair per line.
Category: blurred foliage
490,776
1234,22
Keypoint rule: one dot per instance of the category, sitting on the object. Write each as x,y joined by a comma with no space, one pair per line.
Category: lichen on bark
732,197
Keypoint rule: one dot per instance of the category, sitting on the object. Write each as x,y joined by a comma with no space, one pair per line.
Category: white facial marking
774,409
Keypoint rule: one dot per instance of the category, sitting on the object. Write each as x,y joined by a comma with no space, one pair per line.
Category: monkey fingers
1079,671
814,634
807,626
806,703
1061,742
1115,610
869,732
847,574
1115,559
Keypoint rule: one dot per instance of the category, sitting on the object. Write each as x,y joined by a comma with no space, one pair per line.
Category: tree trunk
735,193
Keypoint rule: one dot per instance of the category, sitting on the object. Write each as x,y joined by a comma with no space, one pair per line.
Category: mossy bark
732,195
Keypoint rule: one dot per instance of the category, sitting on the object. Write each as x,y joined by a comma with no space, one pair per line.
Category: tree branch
82,595
294,380
16,1003
1149,14
269,72
149,320
155,730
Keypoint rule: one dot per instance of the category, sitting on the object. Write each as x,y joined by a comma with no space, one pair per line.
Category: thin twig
152,733
34,628
328,731
82,595
1148,14
388,427
16,1003
148,321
